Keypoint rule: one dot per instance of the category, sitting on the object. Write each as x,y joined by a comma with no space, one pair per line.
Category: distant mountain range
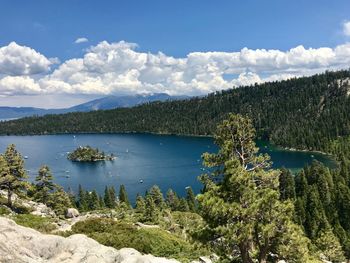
105,103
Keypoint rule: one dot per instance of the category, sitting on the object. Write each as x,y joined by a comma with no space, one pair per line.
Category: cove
166,160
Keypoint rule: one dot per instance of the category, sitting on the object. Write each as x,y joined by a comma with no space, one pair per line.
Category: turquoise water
168,161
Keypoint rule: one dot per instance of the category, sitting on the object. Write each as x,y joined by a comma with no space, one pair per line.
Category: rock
72,212
140,225
25,245
205,260
40,209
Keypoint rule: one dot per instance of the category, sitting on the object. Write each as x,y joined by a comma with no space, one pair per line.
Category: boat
141,181
25,157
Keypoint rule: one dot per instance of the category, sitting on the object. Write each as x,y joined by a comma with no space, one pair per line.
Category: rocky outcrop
25,245
72,212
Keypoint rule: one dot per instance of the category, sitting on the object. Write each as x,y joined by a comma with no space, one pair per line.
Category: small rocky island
89,154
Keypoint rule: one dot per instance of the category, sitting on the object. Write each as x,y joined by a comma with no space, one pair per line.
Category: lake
168,161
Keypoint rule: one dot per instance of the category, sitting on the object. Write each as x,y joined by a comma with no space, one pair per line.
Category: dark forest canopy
304,113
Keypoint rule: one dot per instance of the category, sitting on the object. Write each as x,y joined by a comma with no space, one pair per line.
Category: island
89,154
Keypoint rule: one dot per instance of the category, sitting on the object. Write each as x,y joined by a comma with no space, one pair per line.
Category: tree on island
12,173
88,154
241,201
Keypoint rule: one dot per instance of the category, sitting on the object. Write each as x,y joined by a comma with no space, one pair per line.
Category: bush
42,224
150,241
4,210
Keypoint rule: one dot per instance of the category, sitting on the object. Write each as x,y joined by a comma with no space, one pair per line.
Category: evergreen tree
241,199
101,202
183,205
59,201
82,203
151,212
112,196
329,246
107,198
123,196
191,199
157,196
44,184
172,200
94,203
286,185
140,204
12,173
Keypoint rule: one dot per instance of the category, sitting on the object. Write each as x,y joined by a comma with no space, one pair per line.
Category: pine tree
112,196
101,202
286,185
157,196
140,204
123,196
12,173
44,184
151,212
172,200
107,198
191,199
82,203
183,205
329,246
94,203
244,207
59,201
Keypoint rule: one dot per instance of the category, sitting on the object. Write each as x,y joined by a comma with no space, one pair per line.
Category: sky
56,54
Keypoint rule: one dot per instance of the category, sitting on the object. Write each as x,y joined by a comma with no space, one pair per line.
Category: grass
157,242
42,224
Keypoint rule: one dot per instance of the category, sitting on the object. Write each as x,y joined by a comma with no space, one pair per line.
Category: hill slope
304,113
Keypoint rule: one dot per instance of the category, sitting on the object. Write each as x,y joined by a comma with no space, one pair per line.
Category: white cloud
18,60
81,40
346,28
119,68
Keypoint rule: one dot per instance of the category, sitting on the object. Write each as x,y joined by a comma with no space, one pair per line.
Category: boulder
26,245
72,212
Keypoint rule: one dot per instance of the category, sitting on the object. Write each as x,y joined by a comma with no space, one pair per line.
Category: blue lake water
168,161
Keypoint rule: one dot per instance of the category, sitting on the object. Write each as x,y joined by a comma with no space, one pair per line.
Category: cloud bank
119,68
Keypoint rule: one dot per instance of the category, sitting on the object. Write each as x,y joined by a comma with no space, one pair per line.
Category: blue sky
175,28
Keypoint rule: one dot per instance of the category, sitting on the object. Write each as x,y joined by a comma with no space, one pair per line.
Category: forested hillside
304,113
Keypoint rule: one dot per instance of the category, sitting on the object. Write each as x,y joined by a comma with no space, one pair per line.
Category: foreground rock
22,244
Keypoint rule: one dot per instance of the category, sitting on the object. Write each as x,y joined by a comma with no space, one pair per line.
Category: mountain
112,102
105,103
303,113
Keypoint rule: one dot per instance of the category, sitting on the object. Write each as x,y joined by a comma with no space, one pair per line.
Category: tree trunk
244,249
9,198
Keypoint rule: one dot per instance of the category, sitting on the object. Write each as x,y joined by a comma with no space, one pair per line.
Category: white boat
141,181
25,157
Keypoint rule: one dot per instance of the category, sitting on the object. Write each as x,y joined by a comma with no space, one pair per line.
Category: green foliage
191,199
44,184
42,224
123,196
12,173
88,154
329,246
59,201
286,185
241,199
149,241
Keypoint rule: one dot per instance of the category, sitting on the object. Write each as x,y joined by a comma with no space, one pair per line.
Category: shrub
150,241
42,224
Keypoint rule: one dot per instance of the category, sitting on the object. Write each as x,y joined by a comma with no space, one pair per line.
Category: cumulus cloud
119,68
81,40
346,28
18,60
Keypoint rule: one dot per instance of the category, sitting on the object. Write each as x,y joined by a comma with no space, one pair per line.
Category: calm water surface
168,161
